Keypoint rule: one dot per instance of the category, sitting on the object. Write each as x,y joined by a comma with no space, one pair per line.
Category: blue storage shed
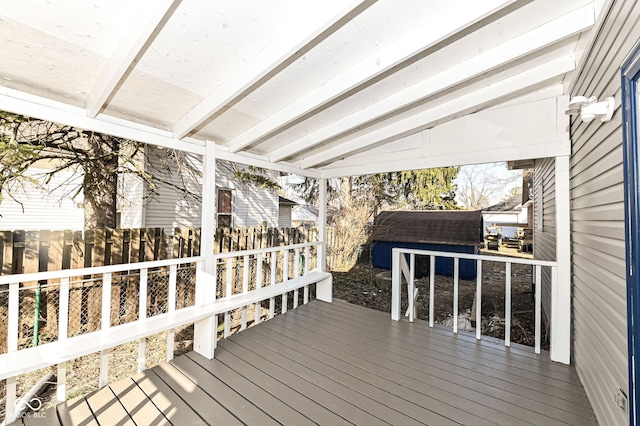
454,231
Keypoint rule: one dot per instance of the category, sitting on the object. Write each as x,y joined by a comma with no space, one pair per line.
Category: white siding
43,209
169,208
252,206
597,231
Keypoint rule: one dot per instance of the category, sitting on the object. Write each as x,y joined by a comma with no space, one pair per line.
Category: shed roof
455,227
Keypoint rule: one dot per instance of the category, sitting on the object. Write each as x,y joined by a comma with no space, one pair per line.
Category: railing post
560,347
479,299
538,307
456,284
432,290
12,346
205,331
142,315
507,305
396,285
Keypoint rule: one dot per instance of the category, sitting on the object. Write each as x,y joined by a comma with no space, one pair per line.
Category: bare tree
102,161
482,184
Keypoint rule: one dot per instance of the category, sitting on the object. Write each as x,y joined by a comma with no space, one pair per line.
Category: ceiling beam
457,106
131,44
57,112
514,49
296,40
412,160
260,161
449,27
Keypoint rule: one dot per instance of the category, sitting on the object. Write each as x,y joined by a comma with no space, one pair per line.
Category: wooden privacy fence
39,251
24,252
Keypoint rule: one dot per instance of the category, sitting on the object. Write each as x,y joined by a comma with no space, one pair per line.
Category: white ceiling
310,85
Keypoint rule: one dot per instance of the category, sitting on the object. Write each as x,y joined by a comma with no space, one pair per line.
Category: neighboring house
29,207
237,204
508,214
40,206
304,215
285,208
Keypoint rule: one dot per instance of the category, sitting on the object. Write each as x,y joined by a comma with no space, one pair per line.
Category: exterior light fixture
590,109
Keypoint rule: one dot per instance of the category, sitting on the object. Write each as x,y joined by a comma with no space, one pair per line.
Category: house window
225,208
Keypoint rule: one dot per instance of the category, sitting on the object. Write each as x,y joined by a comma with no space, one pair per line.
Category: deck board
344,364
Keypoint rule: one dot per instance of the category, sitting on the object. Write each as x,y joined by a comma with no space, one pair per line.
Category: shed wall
597,232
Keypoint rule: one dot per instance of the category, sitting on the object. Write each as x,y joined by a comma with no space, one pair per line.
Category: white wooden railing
401,268
242,281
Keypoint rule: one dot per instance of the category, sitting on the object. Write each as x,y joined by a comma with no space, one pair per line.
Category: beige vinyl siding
37,208
169,208
255,206
544,247
250,205
597,222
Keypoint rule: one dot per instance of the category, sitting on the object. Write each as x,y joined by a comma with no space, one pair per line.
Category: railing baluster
106,300
479,299
396,284
258,305
456,277
63,332
285,265
10,399
229,278
507,304
411,293
142,315
245,289
296,273
173,280
274,266
63,309
227,324
305,296
14,313
432,281
61,383
538,302
296,263
104,368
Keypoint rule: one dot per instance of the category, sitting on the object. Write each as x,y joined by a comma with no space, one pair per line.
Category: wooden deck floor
342,364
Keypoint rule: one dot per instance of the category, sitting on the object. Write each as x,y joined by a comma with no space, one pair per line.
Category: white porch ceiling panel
318,87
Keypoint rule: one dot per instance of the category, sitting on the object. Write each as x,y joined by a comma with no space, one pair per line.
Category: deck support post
561,284
322,225
324,289
205,331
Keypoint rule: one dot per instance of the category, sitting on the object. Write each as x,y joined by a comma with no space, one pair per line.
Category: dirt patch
362,285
